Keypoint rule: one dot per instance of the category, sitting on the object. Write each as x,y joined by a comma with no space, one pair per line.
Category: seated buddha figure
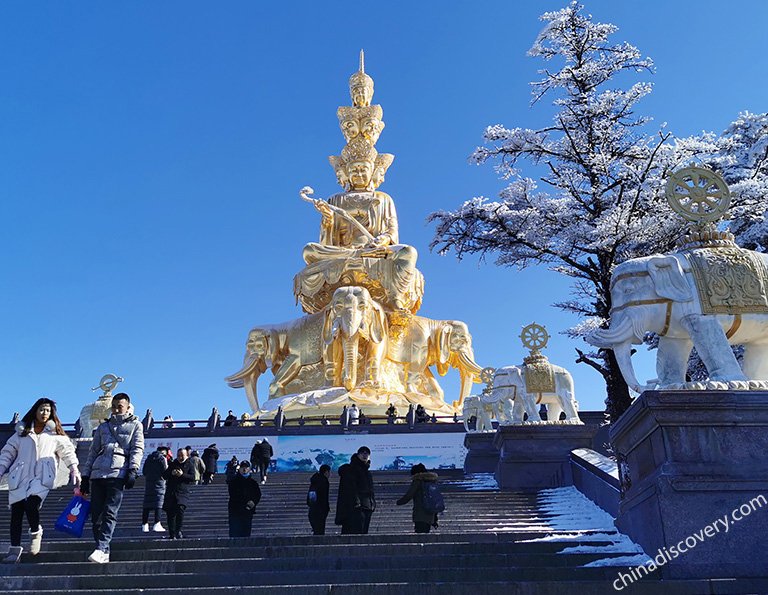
359,234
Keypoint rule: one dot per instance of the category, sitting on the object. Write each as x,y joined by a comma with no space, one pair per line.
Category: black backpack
431,497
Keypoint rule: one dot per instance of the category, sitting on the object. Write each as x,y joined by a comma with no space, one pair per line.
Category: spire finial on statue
361,85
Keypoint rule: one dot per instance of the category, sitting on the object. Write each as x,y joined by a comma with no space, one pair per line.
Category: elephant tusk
237,380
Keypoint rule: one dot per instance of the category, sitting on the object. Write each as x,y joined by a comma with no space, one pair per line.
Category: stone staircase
488,542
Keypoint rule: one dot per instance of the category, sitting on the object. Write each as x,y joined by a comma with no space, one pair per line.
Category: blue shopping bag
72,520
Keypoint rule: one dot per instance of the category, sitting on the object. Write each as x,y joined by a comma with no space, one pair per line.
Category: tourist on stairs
423,485
30,458
244,495
356,502
179,476
318,500
111,467
154,488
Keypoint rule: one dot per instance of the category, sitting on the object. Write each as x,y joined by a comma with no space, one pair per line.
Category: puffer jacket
415,493
110,458
31,461
154,488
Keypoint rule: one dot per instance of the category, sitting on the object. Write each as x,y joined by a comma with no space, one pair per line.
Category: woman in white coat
30,459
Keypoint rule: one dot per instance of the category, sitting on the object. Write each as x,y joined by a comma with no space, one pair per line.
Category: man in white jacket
112,466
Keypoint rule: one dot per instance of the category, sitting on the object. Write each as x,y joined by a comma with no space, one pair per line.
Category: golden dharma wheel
534,337
698,194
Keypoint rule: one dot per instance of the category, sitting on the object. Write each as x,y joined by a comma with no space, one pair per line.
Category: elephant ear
443,348
377,323
669,279
329,329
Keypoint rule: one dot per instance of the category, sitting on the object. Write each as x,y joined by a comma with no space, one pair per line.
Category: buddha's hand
325,210
379,242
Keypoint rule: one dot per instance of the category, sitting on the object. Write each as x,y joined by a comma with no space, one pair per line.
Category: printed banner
389,452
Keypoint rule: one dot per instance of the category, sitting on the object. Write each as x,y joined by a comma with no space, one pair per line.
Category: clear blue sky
151,154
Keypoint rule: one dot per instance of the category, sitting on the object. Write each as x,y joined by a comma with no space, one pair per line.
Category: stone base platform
482,455
691,462
537,456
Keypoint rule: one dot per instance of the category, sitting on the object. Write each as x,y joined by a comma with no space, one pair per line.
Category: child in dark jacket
244,495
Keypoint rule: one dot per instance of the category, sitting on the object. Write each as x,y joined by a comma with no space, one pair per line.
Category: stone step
325,558
188,550
437,587
108,578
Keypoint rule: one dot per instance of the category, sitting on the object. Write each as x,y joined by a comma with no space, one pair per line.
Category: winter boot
14,554
36,542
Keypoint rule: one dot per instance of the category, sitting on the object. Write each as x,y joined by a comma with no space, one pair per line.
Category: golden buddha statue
360,340
359,243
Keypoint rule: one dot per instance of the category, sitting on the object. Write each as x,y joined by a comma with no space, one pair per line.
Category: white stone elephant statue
509,387
355,325
475,406
664,294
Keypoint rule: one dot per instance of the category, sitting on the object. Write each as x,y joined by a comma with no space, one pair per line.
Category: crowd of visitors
31,456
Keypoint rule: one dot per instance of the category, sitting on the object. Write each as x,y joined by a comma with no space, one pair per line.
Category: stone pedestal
534,457
687,459
482,455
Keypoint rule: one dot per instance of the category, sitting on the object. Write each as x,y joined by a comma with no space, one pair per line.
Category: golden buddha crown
360,79
359,150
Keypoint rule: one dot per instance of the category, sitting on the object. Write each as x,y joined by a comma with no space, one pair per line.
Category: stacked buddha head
359,243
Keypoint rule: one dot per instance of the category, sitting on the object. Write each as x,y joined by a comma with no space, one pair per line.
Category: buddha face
341,177
371,129
350,129
360,173
361,95
378,177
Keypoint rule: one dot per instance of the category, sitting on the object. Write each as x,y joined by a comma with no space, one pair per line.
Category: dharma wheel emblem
698,194
486,375
534,337
108,383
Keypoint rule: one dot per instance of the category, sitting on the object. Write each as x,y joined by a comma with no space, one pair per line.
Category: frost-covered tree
597,198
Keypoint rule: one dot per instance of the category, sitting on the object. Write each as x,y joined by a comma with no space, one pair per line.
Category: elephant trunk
620,331
623,357
349,378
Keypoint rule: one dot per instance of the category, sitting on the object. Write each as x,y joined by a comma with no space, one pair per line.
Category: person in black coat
179,476
244,495
154,488
210,458
261,455
318,500
356,501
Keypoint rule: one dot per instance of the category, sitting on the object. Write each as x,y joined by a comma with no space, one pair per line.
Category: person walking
231,469
423,519
318,499
210,460
244,495
154,488
178,477
111,467
30,458
356,501
197,466
261,456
